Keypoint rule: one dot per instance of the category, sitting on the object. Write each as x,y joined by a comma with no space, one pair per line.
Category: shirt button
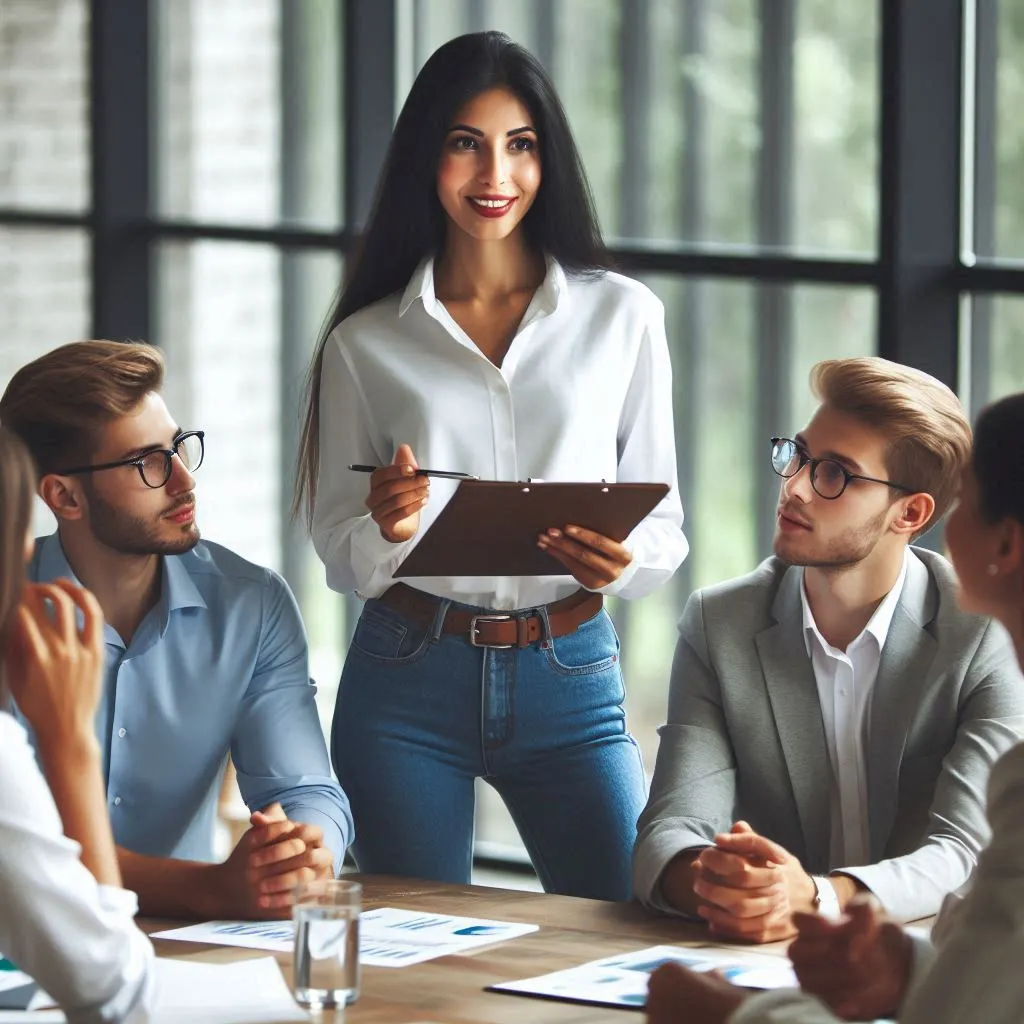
122,733
117,801
842,693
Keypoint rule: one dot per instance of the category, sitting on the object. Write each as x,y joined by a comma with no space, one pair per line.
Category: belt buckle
473,630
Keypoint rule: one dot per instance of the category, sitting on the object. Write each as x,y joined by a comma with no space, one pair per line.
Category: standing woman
480,332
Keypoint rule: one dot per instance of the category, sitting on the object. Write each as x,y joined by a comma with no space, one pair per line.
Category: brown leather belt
495,629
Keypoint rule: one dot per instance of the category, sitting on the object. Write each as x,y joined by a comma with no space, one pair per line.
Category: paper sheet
245,992
388,937
622,980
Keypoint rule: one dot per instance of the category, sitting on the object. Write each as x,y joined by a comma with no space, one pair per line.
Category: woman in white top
479,332
64,918
864,966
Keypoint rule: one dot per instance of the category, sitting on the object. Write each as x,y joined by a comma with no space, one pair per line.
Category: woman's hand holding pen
396,496
593,559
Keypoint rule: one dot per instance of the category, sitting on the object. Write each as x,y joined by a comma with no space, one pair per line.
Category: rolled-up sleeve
278,747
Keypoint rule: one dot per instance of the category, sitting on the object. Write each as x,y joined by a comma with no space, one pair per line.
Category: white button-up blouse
584,394
77,939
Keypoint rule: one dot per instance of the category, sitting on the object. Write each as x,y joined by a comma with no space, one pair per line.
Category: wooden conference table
450,990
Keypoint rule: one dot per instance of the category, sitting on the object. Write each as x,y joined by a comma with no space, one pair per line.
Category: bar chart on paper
389,936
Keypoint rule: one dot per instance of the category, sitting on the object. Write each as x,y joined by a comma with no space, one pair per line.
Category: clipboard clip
530,480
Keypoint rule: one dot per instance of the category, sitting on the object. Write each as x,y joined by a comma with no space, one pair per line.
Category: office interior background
796,179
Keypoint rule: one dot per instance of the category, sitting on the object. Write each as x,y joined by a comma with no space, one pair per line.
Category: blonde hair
929,436
57,403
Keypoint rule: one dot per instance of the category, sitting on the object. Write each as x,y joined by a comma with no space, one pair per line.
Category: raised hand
54,668
397,495
859,965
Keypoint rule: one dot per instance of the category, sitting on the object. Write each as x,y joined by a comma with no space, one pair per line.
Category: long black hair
408,223
998,459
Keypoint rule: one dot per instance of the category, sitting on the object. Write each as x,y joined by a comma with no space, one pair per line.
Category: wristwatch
826,902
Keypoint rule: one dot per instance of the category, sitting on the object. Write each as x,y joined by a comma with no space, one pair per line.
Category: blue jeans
421,715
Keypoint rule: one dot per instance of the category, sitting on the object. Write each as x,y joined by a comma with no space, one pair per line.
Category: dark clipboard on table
490,527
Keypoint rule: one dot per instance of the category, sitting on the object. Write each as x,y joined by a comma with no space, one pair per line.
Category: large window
796,179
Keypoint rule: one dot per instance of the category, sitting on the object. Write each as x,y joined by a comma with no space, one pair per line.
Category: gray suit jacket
745,739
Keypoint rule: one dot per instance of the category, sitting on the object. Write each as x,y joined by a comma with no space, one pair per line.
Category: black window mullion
371,43
370,100
693,321
120,102
545,33
920,180
292,350
635,76
774,320
476,15
984,199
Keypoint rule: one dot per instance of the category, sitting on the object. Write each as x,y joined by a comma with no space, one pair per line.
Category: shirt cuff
922,958
783,1006
379,556
115,900
618,585
336,836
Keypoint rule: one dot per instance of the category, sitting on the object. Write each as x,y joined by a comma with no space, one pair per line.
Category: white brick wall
44,146
44,281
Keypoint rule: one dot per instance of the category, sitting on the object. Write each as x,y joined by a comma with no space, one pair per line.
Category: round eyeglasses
829,478
154,466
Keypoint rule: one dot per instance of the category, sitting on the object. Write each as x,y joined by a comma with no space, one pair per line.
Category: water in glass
326,955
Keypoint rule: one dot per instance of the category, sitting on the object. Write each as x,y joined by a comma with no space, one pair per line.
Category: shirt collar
879,623
176,587
553,290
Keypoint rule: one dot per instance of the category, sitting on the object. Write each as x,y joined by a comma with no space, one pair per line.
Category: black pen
447,474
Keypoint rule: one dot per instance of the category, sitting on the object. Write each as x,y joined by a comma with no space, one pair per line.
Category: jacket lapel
896,698
789,679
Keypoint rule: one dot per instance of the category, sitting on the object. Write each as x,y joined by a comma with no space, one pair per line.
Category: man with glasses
833,716
206,654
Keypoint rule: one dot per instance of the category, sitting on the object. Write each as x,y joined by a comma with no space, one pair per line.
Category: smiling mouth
492,202
491,206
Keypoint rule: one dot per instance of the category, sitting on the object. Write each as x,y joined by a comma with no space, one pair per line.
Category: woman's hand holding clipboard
595,560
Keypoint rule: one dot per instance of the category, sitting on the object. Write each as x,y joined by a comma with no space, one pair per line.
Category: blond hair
58,403
929,437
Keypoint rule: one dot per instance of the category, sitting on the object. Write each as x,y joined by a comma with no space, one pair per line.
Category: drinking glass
326,916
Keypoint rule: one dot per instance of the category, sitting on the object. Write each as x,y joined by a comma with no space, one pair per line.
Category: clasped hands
748,887
397,496
275,855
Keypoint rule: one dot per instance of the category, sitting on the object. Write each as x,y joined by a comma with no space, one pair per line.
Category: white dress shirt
845,682
584,393
77,939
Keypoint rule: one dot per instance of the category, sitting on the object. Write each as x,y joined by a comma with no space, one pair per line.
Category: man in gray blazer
833,716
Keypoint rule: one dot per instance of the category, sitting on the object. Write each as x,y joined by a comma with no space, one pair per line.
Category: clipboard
490,527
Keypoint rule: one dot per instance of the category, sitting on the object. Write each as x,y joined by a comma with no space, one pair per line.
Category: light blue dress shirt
219,664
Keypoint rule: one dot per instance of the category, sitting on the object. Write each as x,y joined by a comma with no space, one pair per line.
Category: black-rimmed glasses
829,478
154,466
